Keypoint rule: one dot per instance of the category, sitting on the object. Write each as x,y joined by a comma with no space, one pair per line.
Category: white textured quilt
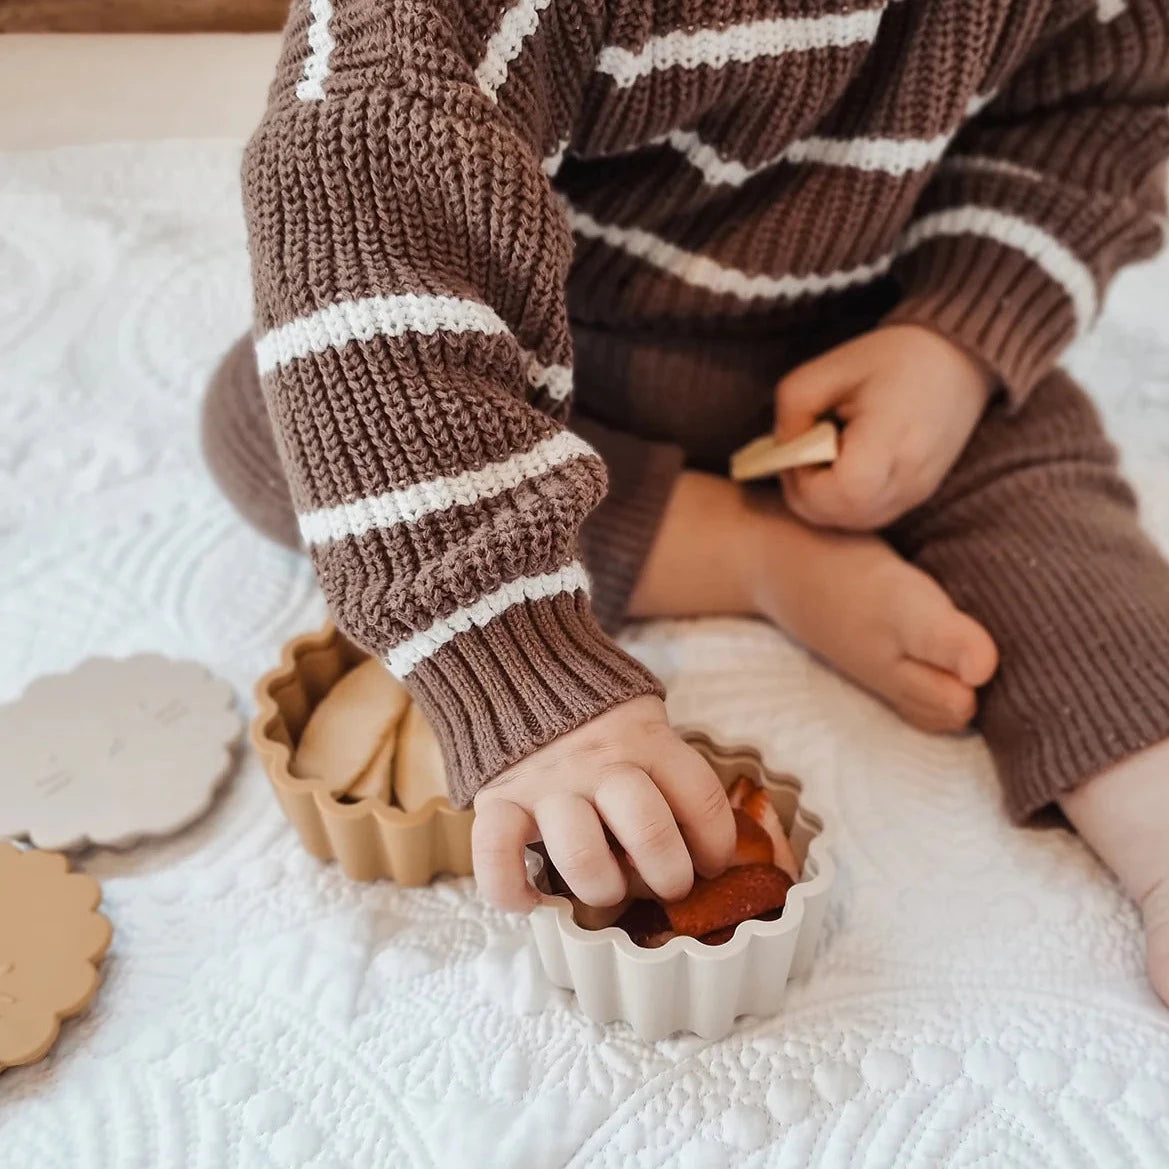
978,998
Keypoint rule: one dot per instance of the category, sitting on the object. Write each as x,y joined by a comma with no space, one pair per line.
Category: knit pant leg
616,538
240,448
1035,534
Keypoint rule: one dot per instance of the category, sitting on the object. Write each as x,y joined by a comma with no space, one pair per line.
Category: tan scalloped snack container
369,838
687,985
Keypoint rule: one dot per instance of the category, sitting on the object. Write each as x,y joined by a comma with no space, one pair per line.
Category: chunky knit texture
726,167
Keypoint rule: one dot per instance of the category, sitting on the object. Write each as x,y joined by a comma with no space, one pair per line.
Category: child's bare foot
1123,814
849,599
885,624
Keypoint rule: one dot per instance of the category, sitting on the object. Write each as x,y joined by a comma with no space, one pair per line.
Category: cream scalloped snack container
687,985
369,838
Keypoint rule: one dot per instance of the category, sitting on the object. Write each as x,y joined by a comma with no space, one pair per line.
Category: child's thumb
804,396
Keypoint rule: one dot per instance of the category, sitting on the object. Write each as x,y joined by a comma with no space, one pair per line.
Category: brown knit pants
1034,533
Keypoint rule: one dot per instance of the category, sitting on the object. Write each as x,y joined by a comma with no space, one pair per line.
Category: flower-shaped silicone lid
51,940
115,750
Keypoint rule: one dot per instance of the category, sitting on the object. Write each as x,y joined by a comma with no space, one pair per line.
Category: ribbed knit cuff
539,670
991,300
616,538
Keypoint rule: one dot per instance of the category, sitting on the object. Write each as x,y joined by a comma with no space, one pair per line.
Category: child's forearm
409,260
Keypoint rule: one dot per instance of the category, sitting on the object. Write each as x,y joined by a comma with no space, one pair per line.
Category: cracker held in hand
767,456
352,732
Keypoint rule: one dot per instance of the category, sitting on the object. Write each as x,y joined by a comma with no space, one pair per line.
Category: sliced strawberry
739,894
752,844
738,792
760,808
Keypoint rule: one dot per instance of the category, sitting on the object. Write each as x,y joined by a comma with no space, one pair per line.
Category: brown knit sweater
440,186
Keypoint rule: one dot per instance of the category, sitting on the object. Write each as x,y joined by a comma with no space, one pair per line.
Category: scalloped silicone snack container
686,985
368,838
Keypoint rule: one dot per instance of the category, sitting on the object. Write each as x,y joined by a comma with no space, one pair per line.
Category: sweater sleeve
1055,185
409,259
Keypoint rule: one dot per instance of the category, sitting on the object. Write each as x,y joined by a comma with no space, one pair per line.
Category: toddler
528,271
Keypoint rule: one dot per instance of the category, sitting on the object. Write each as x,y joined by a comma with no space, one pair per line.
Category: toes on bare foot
979,657
942,636
932,700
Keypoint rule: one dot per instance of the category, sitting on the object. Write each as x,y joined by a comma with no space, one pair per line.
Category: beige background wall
141,15
74,88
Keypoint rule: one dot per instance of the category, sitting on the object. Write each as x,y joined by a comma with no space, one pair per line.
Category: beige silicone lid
686,985
369,838
115,750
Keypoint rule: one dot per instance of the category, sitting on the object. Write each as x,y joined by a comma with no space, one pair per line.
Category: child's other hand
908,400
626,770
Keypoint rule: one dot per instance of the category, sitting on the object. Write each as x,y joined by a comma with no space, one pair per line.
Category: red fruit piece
738,792
759,807
646,924
719,937
752,844
739,894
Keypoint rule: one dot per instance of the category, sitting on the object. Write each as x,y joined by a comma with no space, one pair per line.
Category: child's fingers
854,492
500,833
699,804
637,814
576,845
809,392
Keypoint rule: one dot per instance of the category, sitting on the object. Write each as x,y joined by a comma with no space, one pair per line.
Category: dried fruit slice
760,808
753,846
738,792
374,781
646,924
747,796
349,726
736,896
419,770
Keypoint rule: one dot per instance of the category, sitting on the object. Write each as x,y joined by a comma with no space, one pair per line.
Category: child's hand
909,400
627,771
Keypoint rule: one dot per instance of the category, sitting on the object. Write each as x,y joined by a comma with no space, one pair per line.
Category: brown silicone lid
51,941
115,750
369,838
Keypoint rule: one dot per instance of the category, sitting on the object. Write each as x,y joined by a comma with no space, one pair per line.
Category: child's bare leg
1124,815
849,599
